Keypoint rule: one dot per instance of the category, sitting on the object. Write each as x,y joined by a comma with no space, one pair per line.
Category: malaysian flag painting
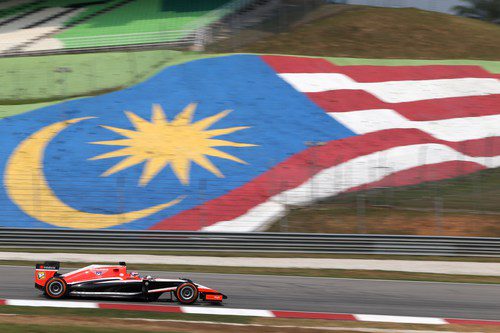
230,143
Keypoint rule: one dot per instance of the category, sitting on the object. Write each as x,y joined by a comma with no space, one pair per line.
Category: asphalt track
404,298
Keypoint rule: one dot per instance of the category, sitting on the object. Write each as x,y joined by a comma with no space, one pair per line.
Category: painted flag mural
228,143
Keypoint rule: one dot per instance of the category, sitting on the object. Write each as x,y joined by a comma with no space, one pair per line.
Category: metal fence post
438,208
361,212
202,187
199,41
120,182
284,226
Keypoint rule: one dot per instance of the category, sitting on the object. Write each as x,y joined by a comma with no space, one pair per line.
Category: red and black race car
115,281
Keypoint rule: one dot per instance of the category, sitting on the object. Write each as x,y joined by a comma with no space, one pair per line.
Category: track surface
317,294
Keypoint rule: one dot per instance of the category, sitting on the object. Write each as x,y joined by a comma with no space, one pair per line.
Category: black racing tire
56,288
187,293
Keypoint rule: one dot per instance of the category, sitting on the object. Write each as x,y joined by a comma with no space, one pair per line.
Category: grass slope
28,80
367,32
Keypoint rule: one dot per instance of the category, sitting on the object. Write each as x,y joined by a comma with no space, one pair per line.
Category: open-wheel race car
115,281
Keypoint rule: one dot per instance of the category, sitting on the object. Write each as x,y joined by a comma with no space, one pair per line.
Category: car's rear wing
44,272
49,265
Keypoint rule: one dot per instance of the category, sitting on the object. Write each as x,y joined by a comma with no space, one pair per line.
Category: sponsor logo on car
100,272
213,297
41,275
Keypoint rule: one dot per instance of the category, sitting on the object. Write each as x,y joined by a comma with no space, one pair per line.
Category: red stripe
3,302
314,315
472,321
134,307
430,173
302,166
401,73
352,100
368,73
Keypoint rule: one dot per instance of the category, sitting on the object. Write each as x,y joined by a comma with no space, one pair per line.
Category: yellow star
178,143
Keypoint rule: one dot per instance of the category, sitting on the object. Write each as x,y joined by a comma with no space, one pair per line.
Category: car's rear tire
56,288
187,293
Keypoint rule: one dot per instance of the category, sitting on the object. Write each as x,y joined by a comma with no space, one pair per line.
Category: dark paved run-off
318,294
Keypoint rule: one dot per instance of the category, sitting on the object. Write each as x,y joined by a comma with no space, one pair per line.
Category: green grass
28,81
328,273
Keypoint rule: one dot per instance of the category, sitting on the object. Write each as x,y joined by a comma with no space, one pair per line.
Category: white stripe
167,280
104,293
455,129
95,280
161,290
401,319
395,91
113,281
51,304
202,286
228,312
340,178
254,219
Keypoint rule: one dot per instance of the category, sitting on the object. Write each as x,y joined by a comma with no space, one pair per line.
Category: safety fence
462,206
177,37
249,242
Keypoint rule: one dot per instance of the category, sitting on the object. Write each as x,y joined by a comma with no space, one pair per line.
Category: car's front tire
55,288
187,293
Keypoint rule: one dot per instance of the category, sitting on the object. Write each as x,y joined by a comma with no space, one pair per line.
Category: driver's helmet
134,274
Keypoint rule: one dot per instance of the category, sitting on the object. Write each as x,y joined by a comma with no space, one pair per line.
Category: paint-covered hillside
232,143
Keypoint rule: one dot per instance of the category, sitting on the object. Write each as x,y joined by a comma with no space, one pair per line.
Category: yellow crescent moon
27,186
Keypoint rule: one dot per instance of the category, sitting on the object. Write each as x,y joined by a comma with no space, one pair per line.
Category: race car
115,281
